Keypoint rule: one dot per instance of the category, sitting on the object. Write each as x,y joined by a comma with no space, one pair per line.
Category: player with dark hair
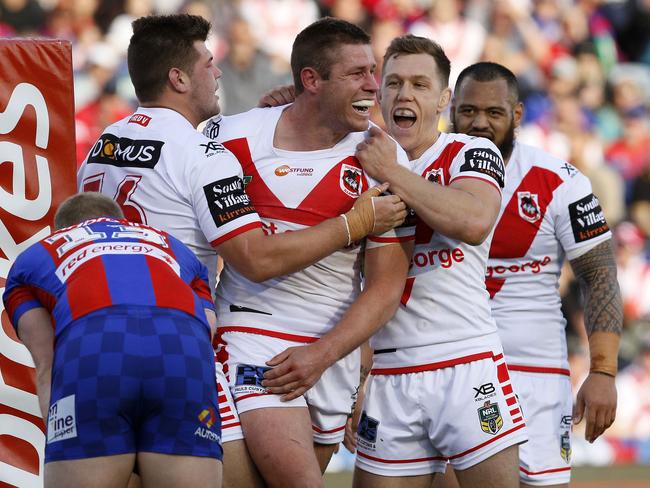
162,172
118,317
307,325
548,213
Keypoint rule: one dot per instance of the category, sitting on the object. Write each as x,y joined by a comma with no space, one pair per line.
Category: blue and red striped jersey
104,262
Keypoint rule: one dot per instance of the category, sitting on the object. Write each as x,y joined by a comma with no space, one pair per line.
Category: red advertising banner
37,171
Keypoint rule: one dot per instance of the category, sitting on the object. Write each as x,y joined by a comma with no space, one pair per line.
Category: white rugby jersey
164,173
548,211
292,190
444,318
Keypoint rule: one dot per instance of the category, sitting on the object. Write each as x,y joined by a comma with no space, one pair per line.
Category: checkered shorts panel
143,379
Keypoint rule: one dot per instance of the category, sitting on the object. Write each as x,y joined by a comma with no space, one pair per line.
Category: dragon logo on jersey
528,206
351,180
565,446
490,418
435,176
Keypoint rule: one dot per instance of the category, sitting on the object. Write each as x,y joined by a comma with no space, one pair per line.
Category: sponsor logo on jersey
368,428
528,206
285,170
227,200
445,258
61,420
208,417
124,152
65,270
249,379
534,267
211,129
565,446
490,418
587,218
247,180
484,391
140,119
211,148
350,180
486,161
435,175
570,170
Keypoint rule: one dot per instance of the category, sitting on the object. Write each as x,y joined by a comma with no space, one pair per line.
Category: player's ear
179,80
518,113
443,101
310,79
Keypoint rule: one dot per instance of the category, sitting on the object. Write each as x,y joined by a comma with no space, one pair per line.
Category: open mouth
404,118
363,106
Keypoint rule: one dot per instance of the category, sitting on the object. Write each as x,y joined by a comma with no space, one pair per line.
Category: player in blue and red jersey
118,318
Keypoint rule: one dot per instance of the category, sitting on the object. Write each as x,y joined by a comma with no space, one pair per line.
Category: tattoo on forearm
596,273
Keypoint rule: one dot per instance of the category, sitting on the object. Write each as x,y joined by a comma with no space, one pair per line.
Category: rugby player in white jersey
299,161
439,390
548,213
164,173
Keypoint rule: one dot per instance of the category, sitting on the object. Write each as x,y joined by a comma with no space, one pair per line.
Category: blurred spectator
99,69
247,71
633,272
276,23
630,153
461,38
640,202
24,17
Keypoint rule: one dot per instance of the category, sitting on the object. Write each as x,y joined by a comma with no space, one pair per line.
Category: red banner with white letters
37,172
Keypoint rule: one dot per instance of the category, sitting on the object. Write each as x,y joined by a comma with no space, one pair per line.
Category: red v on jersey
326,199
514,234
437,172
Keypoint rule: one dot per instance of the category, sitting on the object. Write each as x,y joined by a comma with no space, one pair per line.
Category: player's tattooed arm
596,398
596,273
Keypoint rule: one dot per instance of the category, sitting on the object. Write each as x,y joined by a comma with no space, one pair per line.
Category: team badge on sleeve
587,218
435,175
227,200
486,161
528,206
351,180
490,418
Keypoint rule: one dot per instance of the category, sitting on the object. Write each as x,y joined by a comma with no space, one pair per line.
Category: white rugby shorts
414,423
547,402
329,401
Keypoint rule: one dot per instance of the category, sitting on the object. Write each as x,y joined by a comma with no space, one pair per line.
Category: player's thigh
365,479
447,479
239,470
97,472
171,471
324,453
497,471
547,402
280,441
525,485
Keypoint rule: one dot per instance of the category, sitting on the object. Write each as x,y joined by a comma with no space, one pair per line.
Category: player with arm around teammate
118,317
439,390
162,172
301,166
548,213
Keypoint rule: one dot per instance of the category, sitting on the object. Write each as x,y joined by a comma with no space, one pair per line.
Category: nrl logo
490,418
350,180
528,206
565,447
435,176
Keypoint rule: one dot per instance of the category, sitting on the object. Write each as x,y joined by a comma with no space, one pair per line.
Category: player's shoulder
531,156
245,124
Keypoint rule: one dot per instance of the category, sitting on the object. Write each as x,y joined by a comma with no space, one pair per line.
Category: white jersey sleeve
580,222
479,159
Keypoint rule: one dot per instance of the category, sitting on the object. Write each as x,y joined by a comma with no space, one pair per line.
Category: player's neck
300,128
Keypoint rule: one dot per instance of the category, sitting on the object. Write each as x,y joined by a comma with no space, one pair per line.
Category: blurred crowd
584,71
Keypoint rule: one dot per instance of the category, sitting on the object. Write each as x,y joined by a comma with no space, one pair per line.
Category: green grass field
582,477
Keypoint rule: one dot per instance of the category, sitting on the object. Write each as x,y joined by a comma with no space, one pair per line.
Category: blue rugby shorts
133,379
